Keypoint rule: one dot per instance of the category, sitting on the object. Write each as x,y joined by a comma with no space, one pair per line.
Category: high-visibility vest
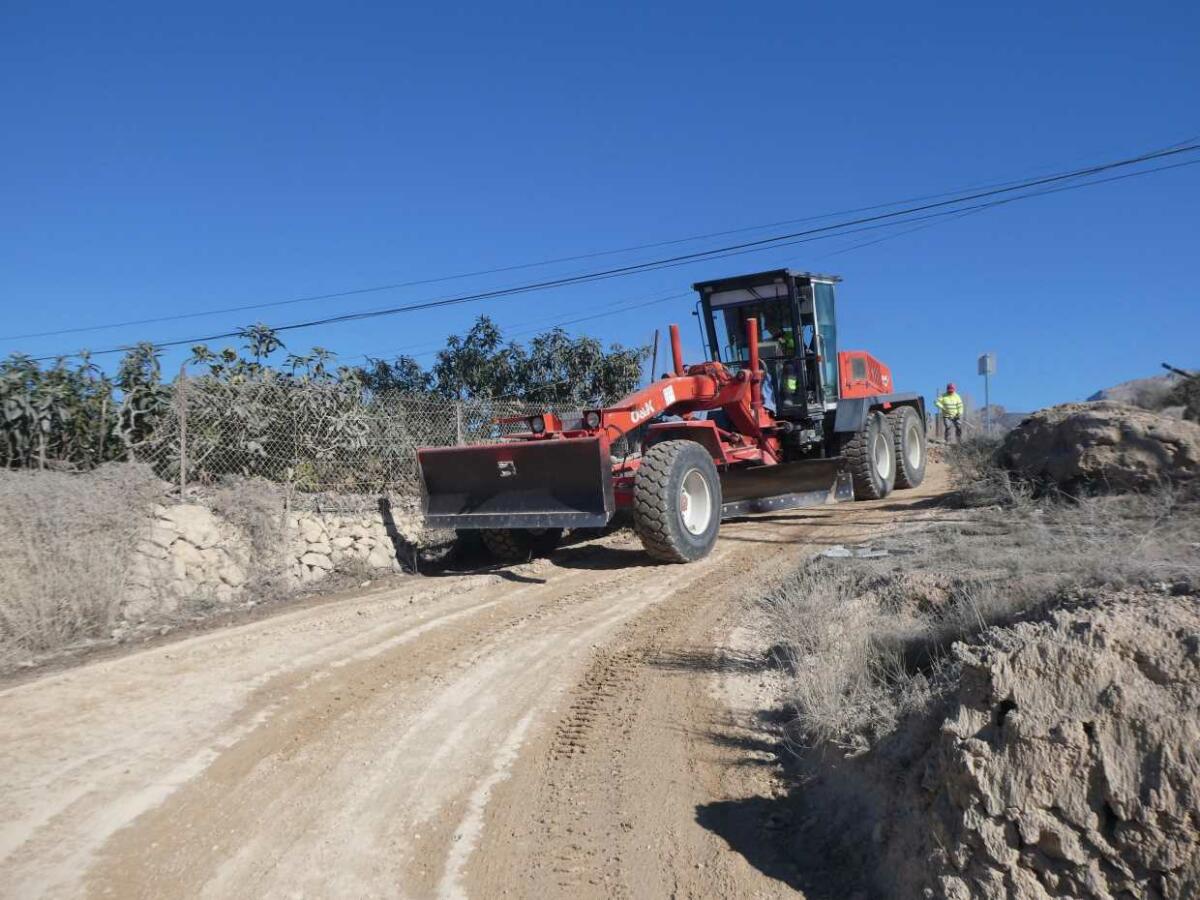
951,405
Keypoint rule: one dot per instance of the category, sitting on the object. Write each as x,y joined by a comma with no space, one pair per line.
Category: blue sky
163,158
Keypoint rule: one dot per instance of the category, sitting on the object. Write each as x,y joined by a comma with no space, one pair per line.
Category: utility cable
523,266
904,216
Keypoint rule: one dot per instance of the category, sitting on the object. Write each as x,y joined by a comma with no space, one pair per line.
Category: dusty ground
573,727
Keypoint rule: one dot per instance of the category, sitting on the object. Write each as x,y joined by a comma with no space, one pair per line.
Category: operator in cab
951,406
778,328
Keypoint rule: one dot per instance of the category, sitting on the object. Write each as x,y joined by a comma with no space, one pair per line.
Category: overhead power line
428,348
341,295
950,207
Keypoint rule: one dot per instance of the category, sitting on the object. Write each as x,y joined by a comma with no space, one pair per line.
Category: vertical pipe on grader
756,396
676,350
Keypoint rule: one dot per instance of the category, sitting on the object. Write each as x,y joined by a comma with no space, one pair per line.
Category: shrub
65,543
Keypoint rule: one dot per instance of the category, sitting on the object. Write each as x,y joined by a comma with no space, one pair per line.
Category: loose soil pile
1088,447
1068,763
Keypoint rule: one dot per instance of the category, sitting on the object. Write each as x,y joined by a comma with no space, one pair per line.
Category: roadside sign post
987,368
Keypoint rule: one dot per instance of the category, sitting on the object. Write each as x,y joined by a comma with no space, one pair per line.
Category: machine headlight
591,419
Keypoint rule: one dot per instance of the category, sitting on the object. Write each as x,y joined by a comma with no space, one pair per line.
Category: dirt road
568,727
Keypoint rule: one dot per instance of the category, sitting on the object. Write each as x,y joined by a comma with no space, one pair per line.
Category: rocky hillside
1145,392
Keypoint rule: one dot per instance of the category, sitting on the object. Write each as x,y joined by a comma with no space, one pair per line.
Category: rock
162,534
322,547
312,530
150,549
342,541
196,523
183,551
316,561
1102,446
381,558
232,575
313,573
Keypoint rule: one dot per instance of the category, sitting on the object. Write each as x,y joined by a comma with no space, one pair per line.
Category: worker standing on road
951,406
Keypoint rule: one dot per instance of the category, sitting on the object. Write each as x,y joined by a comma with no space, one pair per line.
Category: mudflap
552,483
759,489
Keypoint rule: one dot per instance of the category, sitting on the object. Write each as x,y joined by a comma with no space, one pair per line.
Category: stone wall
191,555
321,543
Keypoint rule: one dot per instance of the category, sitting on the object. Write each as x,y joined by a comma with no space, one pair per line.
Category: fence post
458,423
103,428
181,406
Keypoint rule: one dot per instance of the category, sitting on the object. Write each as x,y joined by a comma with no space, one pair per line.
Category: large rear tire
908,434
872,456
677,501
521,544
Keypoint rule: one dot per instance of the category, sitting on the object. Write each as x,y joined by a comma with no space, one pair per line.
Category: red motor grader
777,419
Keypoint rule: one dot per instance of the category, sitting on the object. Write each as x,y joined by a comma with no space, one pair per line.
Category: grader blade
759,489
561,483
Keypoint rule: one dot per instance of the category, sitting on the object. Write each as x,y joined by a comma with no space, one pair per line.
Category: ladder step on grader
778,418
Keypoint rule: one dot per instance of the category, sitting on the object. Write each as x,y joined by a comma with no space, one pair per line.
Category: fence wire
317,438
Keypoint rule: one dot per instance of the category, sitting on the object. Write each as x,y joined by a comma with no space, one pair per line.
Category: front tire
677,501
872,456
908,433
520,544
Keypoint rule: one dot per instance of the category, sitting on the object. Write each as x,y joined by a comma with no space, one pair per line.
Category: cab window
776,331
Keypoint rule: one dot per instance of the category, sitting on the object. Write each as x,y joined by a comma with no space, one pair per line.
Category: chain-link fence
316,438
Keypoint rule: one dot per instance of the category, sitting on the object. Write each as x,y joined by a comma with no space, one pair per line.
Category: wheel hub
695,502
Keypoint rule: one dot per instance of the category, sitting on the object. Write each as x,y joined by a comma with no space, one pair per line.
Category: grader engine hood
559,483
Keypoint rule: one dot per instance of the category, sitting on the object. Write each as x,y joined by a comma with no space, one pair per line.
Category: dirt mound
1069,764
1102,446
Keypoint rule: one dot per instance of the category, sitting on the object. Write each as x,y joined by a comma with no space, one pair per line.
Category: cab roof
774,275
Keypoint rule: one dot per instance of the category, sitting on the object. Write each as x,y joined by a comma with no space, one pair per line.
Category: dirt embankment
1010,708
1065,762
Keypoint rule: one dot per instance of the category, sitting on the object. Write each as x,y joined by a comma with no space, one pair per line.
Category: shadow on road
716,659
592,557
791,838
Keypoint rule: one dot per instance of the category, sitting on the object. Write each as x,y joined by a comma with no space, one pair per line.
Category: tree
555,368
479,365
144,397
261,340
562,369
403,375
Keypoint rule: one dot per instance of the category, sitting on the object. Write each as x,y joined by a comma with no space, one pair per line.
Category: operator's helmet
950,388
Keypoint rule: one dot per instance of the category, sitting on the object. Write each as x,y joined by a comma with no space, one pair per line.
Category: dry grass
64,545
867,640
978,478
256,506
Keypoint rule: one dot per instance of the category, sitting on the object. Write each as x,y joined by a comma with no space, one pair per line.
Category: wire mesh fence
316,438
